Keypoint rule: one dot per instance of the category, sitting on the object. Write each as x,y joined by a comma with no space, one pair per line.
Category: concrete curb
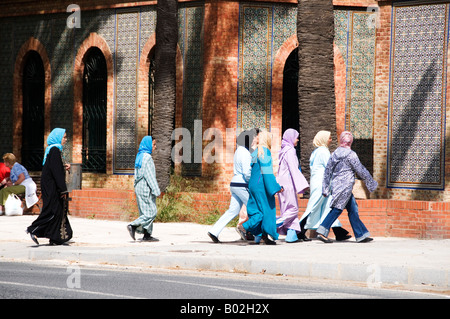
390,261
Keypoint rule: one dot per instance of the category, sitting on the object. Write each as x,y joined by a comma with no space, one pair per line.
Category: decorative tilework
191,46
262,31
417,96
361,77
255,66
284,24
355,38
148,25
341,31
62,57
126,64
122,29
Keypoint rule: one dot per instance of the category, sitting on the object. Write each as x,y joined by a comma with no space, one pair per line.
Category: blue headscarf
145,147
54,140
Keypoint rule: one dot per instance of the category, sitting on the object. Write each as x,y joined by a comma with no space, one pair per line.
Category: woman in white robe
319,206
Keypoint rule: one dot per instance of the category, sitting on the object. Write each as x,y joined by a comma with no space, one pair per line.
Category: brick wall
220,80
221,26
380,120
382,217
400,218
103,204
395,212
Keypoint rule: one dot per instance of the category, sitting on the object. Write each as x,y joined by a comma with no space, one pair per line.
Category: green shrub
173,205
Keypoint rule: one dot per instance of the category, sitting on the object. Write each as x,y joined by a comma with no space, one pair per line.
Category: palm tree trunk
317,111
165,86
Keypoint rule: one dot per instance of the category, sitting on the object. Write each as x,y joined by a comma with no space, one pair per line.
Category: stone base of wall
383,217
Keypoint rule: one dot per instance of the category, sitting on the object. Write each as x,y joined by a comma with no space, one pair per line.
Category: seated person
18,182
4,173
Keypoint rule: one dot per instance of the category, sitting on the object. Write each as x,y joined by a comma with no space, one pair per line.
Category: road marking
219,287
69,289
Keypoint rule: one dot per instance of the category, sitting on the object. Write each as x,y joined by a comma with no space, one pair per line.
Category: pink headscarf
346,139
289,137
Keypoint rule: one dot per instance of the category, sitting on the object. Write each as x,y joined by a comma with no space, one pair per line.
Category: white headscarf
321,139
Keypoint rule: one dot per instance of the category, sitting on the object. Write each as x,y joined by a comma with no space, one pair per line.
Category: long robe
146,189
318,206
52,222
339,176
262,188
293,182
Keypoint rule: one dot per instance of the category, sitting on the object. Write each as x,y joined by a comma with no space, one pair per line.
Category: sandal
324,239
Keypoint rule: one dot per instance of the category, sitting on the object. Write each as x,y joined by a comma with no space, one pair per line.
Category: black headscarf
245,139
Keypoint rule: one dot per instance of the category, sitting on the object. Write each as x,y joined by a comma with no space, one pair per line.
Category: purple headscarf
289,137
346,139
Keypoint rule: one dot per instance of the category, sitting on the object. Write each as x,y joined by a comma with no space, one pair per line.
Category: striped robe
146,189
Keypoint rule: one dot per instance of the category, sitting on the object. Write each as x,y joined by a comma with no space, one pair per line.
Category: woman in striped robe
146,189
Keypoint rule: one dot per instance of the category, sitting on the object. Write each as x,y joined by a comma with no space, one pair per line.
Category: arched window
33,93
94,112
290,116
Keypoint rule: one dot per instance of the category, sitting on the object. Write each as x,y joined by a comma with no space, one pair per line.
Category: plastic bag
13,206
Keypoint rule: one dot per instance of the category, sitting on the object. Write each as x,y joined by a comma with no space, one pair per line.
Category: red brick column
220,56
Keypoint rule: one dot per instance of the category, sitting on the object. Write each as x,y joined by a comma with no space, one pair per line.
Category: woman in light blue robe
262,188
318,205
146,189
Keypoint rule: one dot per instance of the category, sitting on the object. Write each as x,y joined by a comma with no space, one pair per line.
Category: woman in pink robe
293,181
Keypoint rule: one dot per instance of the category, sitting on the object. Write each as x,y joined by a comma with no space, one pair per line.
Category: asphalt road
44,281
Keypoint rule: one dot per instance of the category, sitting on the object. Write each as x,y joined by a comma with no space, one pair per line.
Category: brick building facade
236,69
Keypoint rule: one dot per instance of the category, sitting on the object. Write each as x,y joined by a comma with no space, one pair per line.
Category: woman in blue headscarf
146,189
52,222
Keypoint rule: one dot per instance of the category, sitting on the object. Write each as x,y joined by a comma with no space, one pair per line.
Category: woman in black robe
52,222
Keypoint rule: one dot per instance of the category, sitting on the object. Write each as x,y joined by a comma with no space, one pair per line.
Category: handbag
13,206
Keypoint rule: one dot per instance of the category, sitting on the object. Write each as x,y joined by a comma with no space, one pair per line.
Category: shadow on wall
412,125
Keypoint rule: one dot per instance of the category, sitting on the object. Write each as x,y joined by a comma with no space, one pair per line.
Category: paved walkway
392,261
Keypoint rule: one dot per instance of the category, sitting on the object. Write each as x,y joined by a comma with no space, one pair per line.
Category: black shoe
57,243
344,238
303,237
341,234
249,236
366,240
267,241
34,238
324,239
214,238
132,231
148,237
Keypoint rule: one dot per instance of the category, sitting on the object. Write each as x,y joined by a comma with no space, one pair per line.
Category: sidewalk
392,261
